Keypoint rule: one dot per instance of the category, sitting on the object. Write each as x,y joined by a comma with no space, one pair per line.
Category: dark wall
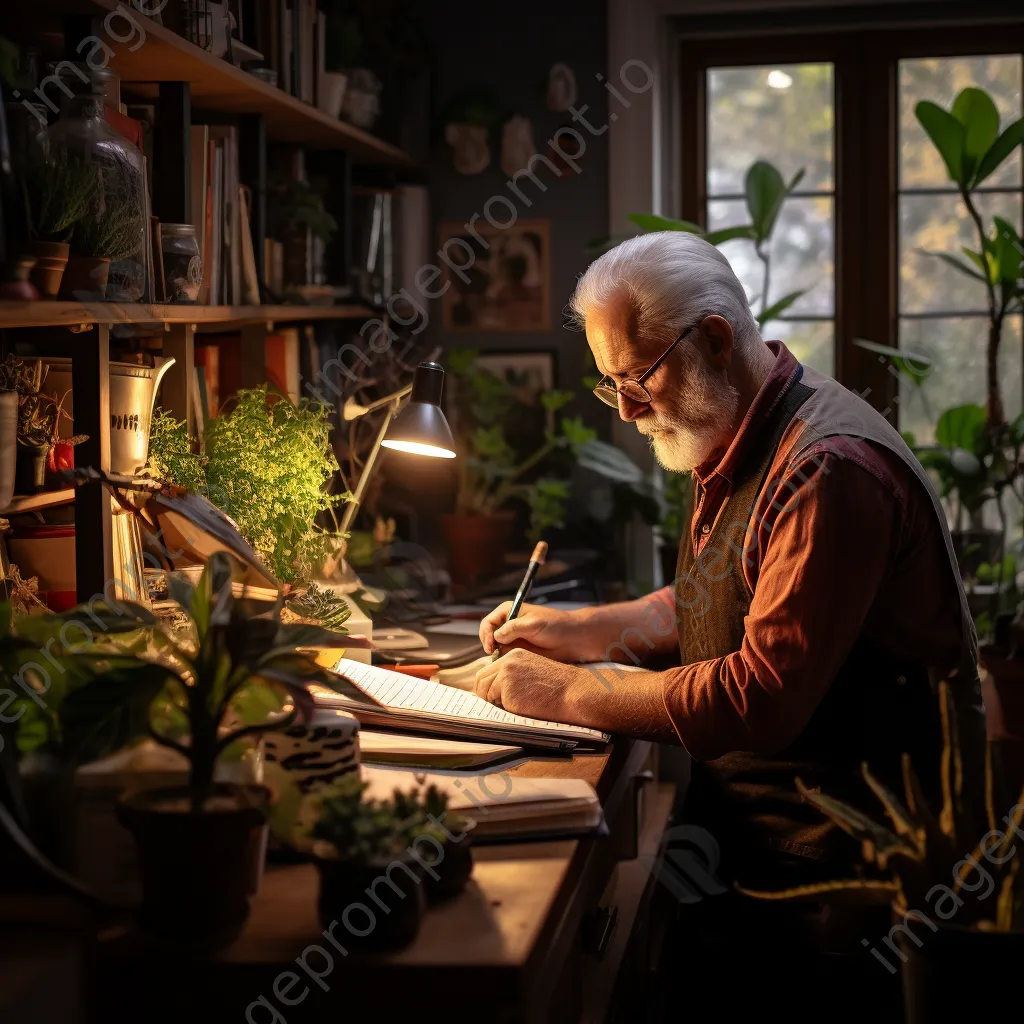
508,51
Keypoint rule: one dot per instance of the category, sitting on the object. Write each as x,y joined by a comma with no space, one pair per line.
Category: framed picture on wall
509,280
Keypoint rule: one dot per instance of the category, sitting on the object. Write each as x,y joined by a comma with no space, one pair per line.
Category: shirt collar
777,382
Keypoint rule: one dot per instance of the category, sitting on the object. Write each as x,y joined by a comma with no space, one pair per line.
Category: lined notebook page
396,690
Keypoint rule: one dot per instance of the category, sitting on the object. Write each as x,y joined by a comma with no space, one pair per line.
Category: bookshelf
217,85
207,319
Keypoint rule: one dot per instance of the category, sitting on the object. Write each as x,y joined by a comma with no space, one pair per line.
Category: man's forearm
628,702
631,631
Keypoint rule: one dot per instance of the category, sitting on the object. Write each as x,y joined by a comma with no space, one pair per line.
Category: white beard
705,417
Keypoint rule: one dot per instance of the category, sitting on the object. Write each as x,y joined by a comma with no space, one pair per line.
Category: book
429,752
208,358
500,804
281,353
250,277
399,701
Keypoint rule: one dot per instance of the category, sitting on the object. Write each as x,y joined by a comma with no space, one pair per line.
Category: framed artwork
509,286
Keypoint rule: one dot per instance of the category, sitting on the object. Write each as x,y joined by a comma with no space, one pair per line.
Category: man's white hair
672,280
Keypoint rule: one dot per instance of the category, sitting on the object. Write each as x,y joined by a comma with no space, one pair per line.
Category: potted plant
954,881
108,233
57,191
236,677
355,839
297,215
266,464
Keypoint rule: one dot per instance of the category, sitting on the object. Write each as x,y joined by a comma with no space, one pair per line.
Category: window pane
941,223
783,114
940,80
957,350
812,343
801,254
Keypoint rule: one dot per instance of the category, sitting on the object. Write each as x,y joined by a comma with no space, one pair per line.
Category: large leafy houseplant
267,464
765,191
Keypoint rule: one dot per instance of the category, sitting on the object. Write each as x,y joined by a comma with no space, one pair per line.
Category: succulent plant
921,851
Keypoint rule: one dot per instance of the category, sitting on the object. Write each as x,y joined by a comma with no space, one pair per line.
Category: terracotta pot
85,278
51,261
365,925
948,972
476,545
8,445
195,868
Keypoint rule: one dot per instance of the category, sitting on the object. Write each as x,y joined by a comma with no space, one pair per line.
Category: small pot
195,868
349,894
8,445
85,278
452,868
948,973
51,261
30,474
19,287
476,545
332,92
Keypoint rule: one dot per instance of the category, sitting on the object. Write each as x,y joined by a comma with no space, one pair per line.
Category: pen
540,552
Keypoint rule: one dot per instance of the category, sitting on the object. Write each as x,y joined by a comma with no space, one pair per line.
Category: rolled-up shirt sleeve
825,559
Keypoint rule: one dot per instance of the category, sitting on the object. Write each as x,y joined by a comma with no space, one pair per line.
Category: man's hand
563,636
530,684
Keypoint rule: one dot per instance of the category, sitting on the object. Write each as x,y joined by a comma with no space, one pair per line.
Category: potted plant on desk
237,677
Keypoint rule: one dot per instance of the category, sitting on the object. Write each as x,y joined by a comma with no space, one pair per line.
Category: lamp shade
421,427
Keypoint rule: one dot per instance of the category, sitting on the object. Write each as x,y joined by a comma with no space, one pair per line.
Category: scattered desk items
395,701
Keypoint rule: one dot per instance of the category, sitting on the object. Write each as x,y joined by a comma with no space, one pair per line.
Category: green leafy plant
239,676
972,147
766,191
58,191
112,226
678,494
347,825
924,852
267,464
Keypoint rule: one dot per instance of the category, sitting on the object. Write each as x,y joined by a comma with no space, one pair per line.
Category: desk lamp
421,429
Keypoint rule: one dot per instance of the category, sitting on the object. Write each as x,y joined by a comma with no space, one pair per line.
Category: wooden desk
509,948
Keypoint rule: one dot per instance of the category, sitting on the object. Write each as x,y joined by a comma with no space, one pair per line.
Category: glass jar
183,263
105,186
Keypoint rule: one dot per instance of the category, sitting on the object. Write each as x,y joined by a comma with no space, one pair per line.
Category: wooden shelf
218,85
206,318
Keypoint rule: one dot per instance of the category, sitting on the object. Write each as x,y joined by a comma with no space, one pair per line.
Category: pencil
540,553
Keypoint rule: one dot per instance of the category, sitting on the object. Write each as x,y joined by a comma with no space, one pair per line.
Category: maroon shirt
849,545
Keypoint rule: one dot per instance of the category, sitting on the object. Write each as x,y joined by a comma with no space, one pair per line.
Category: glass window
783,114
943,313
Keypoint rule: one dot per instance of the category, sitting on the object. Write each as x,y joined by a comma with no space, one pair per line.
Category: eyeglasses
633,387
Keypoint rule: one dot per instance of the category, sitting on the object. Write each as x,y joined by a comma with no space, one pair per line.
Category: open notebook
397,701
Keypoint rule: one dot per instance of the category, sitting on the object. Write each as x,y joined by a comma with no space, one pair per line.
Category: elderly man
817,595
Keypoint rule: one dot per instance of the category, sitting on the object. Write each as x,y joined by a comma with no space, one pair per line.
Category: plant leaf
728,234
655,222
111,710
774,311
1008,251
609,462
974,109
954,262
916,366
804,892
948,136
765,191
961,427
1010,139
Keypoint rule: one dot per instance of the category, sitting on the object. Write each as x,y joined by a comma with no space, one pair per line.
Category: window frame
865,154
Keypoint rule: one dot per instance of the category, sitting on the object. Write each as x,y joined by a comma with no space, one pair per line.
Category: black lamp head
421,428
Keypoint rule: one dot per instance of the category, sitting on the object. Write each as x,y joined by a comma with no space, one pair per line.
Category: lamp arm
353,505
382,402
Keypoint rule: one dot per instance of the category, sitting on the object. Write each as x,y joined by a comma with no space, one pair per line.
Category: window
875,193
782,114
